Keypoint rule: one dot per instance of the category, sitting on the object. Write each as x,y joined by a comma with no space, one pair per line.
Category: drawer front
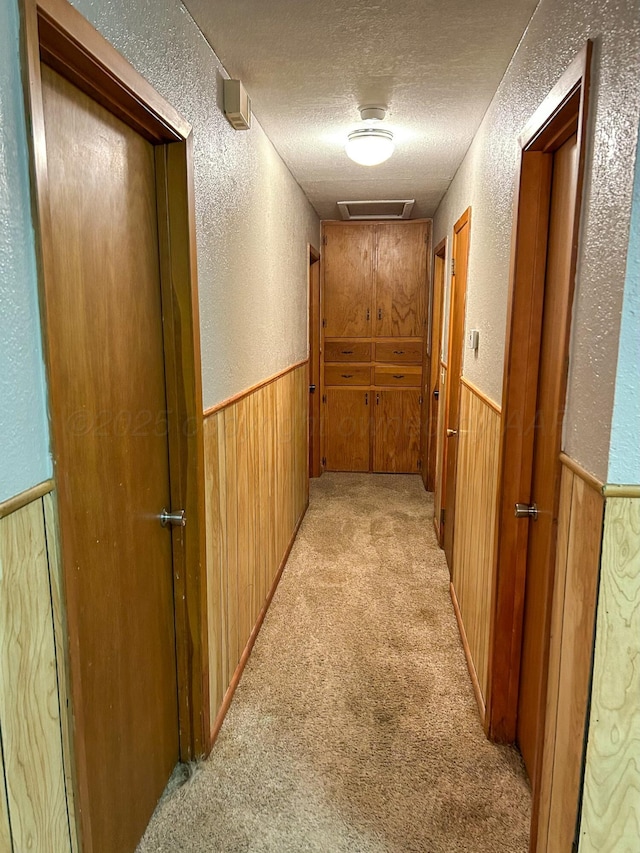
398,377
394,352
347,351
346,375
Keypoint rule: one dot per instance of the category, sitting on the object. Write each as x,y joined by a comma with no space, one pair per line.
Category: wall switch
473,339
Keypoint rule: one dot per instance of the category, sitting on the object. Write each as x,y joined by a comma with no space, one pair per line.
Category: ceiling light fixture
371,145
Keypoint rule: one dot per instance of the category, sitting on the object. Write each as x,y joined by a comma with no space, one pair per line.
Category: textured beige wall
486,182
253,221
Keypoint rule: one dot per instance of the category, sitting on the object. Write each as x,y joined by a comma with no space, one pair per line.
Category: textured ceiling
309,64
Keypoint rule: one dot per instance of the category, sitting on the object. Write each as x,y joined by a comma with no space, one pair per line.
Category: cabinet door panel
397,431
348,280
347,429
400,280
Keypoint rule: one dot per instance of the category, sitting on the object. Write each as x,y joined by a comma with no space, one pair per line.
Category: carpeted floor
354,727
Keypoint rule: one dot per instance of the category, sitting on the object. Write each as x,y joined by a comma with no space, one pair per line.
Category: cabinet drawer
347,375
395,352
398,376
347,351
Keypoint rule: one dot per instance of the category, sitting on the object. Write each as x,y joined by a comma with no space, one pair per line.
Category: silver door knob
526,511
175,519
451,433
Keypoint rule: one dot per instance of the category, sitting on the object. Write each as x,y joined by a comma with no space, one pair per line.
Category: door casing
562,111
314,362
457,310
431,368
52,30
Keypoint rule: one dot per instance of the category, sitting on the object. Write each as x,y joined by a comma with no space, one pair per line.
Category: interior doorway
432,376
534,390
314,363
114,200
457,302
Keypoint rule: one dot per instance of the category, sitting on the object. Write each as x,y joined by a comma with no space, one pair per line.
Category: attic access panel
382,209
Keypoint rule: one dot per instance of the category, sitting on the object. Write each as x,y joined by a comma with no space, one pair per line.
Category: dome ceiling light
371,145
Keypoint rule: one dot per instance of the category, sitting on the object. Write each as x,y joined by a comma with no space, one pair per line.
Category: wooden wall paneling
245,523
222,556
231,480
271,455
60,630
476,507
572,627
5,828
261,535
215,567
611,804
29,702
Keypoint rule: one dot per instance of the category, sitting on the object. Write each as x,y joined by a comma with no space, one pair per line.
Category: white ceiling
309,64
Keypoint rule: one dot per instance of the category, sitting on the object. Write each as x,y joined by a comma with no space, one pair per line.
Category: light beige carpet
354,727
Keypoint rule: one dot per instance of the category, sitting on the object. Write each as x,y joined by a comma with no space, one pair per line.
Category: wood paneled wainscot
37,811
257,493
611,802
473,552
570,653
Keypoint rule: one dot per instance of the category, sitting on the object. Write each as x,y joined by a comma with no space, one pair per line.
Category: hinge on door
442,516
324,398
324,324
324,239
453,266
419,464
420,399
323,461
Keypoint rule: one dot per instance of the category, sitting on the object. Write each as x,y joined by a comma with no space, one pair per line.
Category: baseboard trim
467,654
237,675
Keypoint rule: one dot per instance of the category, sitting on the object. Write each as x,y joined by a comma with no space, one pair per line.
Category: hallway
354,727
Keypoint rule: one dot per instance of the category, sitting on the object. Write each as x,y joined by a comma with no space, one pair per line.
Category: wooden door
431,375
347,258
347,429
400,279
460,257
107,388
396,442
546,466
314,364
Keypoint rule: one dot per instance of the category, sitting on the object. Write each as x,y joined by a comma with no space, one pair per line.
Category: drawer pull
398,375
398,352
347,375
347,352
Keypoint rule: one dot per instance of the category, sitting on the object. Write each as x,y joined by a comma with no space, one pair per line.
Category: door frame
313,286
433,347
54,32
552,123
465,219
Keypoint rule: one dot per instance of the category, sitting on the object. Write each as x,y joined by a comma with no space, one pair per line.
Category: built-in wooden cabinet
374,305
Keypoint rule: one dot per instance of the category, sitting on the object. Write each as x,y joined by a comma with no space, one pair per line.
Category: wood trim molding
253,388
613,490
237,675
481,395
467,653
71,46
581,472
26,497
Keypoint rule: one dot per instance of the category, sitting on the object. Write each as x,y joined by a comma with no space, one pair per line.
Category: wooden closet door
396,443
348,280
347,429
400,279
